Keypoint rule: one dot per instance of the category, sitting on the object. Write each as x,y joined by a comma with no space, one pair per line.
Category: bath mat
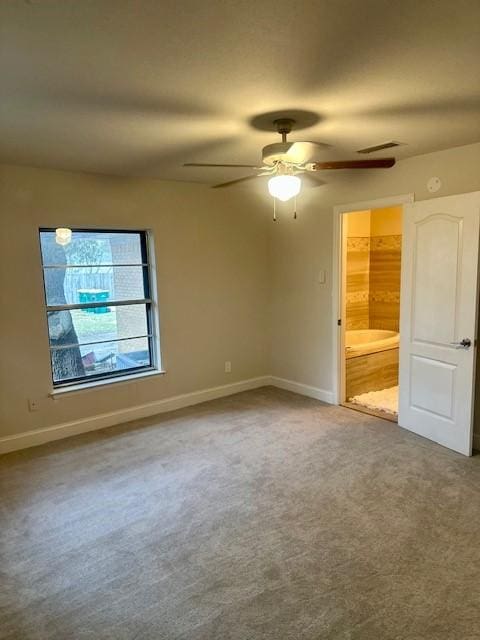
384,400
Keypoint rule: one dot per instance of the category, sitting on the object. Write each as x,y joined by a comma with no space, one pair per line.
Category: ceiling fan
284,161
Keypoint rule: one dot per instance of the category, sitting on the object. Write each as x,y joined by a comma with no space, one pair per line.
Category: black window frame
147,301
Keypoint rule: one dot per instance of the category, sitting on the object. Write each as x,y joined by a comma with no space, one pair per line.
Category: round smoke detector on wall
434,184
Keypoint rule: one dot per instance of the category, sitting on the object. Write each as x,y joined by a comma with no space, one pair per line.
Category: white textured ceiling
138,87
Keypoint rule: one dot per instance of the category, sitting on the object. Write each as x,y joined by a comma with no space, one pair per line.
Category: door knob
463,344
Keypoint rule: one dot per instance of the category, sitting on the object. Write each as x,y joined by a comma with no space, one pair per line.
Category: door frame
338,280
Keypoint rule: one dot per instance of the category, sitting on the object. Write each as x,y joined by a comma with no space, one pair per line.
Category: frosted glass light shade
63,236
284,187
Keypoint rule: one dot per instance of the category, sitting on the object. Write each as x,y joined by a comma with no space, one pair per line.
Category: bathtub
362,341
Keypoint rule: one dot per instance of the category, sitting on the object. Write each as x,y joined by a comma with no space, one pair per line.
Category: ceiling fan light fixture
284,187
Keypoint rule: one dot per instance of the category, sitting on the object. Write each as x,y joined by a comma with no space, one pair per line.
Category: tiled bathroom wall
374,245
357,294
384,290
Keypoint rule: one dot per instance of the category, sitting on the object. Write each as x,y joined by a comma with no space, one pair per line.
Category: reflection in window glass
106,358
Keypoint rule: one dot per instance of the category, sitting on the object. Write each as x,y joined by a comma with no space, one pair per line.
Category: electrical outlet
32,404
228,366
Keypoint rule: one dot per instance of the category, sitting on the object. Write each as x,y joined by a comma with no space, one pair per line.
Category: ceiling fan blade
378,163
201,164
311,181
230,182
299,152
322,145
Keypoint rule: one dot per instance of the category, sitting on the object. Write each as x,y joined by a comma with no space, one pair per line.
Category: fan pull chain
295,208
274,210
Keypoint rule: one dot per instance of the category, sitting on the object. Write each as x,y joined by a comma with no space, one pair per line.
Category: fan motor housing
275,152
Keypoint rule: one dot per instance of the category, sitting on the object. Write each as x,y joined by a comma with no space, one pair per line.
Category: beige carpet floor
263,516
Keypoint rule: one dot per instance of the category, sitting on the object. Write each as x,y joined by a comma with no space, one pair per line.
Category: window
99,304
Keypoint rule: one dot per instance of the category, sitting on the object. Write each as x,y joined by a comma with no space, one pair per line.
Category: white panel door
438,319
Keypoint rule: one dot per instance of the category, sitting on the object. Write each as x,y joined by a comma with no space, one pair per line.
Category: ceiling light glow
63,236
284,187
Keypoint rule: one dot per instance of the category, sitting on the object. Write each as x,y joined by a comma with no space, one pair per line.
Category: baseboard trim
303,389
101,421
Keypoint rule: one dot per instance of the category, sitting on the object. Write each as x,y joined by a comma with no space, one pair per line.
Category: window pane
92,248
100,359
95,324
94,284
101,267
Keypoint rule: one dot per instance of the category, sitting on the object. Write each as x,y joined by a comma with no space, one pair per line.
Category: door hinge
339,322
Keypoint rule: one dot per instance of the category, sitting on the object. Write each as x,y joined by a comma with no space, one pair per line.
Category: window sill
95,384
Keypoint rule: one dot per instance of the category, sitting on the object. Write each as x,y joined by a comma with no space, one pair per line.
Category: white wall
233,285
301,339
211,254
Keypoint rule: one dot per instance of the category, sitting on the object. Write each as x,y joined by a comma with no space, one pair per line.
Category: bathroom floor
385,400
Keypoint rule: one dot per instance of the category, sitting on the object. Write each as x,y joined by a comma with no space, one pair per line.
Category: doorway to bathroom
438,306
370,298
